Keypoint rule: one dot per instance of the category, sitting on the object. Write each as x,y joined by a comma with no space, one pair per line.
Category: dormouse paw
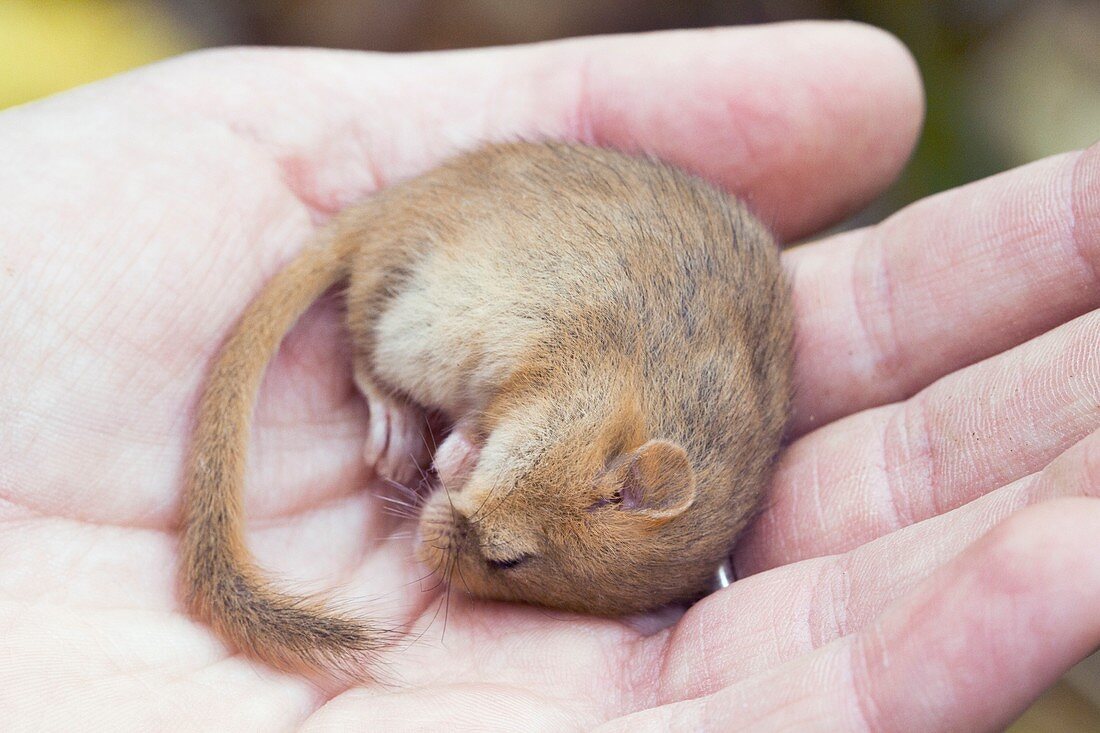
397,446
456,457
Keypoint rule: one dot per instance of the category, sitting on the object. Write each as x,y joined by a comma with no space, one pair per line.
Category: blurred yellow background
47,46
1008,81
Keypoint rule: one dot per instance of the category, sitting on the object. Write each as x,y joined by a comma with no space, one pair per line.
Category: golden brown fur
612,338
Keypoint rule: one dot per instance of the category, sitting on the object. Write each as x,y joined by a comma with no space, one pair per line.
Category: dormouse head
592,518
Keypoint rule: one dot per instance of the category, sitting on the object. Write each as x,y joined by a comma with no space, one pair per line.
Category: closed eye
509,563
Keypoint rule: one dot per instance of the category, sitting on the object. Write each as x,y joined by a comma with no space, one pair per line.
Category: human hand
142,213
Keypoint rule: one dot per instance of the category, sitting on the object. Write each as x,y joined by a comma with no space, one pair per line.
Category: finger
886,310
814,602
969,433
967,650
808,120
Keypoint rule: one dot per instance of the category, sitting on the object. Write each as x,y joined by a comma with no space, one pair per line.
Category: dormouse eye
509,563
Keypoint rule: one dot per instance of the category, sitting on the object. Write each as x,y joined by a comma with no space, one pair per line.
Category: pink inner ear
656,479
631,491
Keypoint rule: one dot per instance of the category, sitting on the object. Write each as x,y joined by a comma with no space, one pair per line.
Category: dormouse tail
220,578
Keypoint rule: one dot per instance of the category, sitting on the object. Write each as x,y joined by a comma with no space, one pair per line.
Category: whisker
395,501
447,492
462,577
434,446
396,504
500,503
407,491
488,506
424,477
429,624
399,513
408,511
447,604
441,581
421,579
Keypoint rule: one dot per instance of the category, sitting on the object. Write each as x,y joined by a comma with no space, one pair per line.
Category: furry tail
220,578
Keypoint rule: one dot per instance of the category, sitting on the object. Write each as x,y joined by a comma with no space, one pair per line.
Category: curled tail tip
342,649
304,636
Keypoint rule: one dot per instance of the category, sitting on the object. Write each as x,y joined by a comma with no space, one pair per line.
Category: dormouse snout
453,525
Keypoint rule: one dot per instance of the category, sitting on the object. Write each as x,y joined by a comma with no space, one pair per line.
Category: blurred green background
1008,81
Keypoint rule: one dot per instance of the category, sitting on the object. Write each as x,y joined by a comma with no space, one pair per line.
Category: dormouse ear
655,480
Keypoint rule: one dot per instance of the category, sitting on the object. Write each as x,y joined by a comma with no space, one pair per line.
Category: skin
953,614
609,337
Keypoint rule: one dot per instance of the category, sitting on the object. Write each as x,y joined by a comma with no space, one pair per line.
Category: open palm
947,376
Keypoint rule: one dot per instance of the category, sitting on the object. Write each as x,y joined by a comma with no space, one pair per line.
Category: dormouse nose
462,529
